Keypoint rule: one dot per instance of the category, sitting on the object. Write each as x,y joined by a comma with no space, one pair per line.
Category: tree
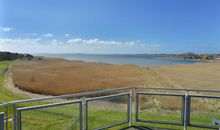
13,56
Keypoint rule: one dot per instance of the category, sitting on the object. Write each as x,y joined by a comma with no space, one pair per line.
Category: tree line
13,56
191,55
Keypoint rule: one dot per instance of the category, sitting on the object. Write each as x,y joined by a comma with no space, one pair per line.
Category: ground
60,117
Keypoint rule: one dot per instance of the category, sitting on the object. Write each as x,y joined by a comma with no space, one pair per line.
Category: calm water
142,60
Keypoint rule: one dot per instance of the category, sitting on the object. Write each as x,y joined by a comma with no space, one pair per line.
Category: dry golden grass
58,76
199,75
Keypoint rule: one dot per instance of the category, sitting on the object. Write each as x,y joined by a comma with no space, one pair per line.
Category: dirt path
8,84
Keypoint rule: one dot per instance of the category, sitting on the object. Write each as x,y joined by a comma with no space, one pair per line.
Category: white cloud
47,35
19,44
98,42
6,29
76,45
66,35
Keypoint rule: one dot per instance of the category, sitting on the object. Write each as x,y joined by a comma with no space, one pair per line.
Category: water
143,60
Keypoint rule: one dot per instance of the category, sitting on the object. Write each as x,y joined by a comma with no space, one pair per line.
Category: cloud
66,35
19,44
76,45
6,29
48,35
97,42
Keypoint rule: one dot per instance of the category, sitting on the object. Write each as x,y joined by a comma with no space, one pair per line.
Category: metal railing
20,110
164,95
83,99
190,97
127,95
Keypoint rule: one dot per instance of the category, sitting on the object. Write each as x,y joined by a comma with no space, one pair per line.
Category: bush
14,56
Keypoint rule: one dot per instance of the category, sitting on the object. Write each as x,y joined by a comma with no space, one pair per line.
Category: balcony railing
131,105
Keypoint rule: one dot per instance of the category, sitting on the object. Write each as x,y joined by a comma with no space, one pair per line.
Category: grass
66,117
6,95
199,75
57,77
56,118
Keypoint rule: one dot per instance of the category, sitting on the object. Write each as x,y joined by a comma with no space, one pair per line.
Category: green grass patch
5,94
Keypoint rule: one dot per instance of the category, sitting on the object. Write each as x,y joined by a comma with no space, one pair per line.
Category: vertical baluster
2,121
15,117
6,119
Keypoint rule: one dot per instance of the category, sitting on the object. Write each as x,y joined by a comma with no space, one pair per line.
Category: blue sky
110,26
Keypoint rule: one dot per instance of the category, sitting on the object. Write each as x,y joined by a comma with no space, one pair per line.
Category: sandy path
8,84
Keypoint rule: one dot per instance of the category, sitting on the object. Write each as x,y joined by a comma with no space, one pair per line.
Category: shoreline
143,64
145,56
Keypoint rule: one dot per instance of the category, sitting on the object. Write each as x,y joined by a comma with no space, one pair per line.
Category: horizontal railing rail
133,92
178,89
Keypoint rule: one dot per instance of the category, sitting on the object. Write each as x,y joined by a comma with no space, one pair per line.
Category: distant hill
14,56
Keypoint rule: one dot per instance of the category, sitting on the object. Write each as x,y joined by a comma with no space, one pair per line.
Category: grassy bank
5,94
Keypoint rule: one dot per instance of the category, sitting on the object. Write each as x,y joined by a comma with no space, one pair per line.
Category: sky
110,26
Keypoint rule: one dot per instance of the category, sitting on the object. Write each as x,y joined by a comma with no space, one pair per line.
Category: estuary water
143,60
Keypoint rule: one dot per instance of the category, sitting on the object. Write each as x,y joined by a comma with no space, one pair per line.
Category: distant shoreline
142,60
197,60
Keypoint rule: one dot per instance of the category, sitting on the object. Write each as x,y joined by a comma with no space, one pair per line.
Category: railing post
186,111
130,108
81,114
6,118
15,117
19,120
2,121
135,107
84,114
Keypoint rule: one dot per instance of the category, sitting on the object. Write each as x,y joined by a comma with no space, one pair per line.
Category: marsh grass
57,77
